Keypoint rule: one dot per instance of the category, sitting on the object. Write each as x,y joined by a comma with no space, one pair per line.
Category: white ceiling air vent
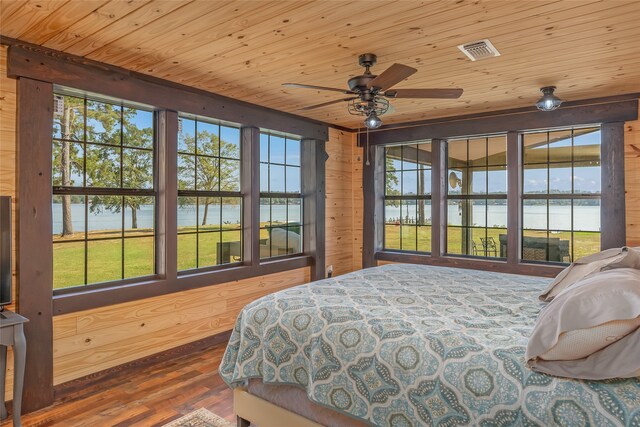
479,50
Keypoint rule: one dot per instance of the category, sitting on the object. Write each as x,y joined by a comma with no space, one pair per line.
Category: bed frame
252,409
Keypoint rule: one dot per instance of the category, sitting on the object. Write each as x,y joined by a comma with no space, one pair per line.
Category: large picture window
209,196
281,230
561,194
104,193
408,198
477,196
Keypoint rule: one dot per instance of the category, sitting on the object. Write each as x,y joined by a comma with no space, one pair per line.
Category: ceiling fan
370,93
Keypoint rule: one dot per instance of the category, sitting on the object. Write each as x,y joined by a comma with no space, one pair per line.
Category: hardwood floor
150,397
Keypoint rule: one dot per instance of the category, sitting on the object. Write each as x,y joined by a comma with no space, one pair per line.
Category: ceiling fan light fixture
549,101
372,121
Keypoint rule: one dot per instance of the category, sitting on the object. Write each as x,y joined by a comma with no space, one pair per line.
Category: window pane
264,177
497,176
187,251
535,179
186,172
560,214
186,214
392,236
103,123
424,238
534,214
560,178
478,178
68,216
457,153
229,175
208,138
103,166
137,128
454,211
424,181
455,184
139,257
230,142
536,148
423,212
137,168
560,146
231,213
454,240
478,214
497,213
392,186
409,157
409,237
68,264
585,243
410,182
560,247
187,135
293,152
139,216
293,179
105,217
265,212
104,260
408,211
208,174
231,246
496,243
70,125
587,178
586,215
294,213
209,213
264,147
497,150
478,152
278,211
276,177
276,149
208,243
534,245
67,164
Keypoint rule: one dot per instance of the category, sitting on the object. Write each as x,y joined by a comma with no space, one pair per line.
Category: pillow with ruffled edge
587,307
624,257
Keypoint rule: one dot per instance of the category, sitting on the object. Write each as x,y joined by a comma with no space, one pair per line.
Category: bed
408,345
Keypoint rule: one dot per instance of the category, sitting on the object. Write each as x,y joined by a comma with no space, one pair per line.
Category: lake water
585,217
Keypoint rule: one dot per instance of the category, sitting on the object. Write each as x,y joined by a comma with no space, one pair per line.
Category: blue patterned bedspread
409,345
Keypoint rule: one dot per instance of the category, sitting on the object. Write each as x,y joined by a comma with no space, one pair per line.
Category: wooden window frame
609,113
37,70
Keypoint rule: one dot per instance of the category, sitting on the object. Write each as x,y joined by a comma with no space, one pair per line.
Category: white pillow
624,257
575,335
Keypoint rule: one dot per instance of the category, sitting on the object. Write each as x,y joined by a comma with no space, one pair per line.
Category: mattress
410,345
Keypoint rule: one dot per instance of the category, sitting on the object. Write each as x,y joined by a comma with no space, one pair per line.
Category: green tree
212,174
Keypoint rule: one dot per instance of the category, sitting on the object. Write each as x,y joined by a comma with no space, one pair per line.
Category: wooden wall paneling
632,181
373,215
94,340
34,124
339,202
612,215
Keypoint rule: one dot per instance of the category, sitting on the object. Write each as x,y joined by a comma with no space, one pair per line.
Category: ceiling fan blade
391,76
424,93
335,101
332,89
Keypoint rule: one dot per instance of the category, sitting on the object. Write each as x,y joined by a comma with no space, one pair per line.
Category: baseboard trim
69,389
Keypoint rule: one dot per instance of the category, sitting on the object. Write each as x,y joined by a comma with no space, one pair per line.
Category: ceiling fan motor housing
367,59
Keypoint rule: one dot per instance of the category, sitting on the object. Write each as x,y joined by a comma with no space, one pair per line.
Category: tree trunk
65,158
134,217
204,215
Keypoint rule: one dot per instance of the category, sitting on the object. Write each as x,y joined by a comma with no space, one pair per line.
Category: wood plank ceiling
246,49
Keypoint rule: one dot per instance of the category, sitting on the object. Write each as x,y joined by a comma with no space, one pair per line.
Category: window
209,195
407,209
561,194
104,193
280,196
477,196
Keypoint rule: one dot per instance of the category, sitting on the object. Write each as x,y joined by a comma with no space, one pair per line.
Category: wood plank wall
632,181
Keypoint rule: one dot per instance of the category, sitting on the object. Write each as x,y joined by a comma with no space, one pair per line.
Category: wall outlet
330,271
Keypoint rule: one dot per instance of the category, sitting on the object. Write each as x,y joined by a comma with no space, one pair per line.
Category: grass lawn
105,257
419,238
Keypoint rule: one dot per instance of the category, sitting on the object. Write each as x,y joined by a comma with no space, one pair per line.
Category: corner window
477,196
209,196
407,209
561,194
104,194
280,196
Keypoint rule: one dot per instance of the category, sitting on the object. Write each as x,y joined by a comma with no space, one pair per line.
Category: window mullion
514,193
